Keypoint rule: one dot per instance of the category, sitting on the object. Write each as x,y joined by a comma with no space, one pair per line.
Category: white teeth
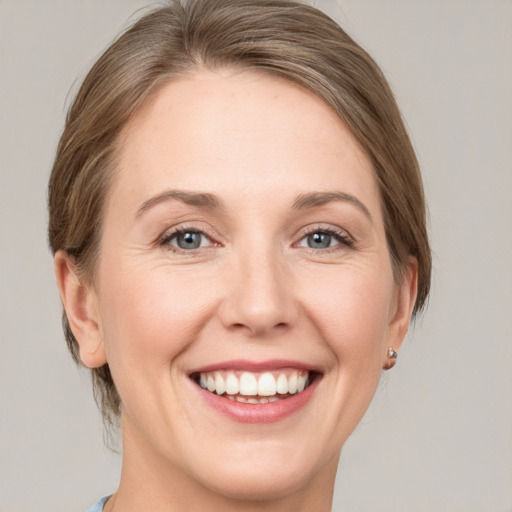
252,400
232,387
210,383
267,385
220,386
301,383
282,384
292,384
248,384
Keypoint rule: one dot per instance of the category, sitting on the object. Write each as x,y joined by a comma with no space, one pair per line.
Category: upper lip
256,366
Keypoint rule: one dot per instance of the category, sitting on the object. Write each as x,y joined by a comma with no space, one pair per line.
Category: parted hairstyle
283,38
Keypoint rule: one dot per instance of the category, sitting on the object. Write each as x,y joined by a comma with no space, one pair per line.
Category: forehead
239,133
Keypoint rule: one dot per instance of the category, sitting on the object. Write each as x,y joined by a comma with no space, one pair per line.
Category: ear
401,312
81,305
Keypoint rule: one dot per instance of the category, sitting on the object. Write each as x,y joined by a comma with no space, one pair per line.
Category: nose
260,299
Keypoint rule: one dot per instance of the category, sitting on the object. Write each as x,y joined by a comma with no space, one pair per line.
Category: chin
270,475
259,483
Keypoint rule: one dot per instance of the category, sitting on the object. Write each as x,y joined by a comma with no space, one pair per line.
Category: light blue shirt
98,506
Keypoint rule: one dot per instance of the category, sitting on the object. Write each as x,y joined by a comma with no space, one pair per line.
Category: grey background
439,434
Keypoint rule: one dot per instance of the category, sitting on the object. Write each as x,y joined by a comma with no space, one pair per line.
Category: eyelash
341,236
168,236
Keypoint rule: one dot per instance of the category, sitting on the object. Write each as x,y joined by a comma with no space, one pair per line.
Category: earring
392,355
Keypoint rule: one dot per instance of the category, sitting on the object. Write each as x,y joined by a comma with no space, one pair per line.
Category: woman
238,225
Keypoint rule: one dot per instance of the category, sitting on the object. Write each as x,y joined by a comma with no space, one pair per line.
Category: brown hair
281,37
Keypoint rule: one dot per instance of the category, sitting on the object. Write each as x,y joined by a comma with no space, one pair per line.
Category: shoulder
98,506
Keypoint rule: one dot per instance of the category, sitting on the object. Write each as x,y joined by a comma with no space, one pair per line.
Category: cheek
151,315
352,307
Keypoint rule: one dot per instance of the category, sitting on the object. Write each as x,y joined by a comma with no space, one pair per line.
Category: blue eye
325,239
186,240
319,240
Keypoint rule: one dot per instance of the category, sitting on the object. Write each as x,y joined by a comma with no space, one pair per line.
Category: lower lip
270,412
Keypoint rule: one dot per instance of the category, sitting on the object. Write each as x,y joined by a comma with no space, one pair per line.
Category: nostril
281,327
258,330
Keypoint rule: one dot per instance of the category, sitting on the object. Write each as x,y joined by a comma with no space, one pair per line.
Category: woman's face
243,249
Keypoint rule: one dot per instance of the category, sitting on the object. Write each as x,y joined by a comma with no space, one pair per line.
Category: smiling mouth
255,387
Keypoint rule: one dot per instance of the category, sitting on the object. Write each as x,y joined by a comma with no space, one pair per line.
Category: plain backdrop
438,436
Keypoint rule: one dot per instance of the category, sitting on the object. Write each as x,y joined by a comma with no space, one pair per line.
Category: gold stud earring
392,355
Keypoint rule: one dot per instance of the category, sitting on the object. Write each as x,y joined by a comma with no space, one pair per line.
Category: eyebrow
200,199
212,202
312,199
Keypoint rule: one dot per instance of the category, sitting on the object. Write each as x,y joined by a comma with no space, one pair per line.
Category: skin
255,290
